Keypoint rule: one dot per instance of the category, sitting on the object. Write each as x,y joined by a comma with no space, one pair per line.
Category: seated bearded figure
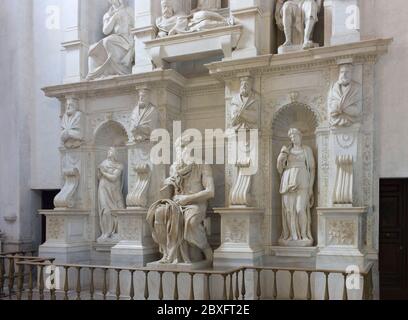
177,223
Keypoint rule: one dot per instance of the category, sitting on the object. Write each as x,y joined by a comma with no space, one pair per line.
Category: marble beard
296,165
298,18
170,23
109,195
345,99
144,118
113,55
71,136
177,222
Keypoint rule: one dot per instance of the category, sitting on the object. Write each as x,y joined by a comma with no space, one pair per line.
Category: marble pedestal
137,247
340,237
240,237
67,239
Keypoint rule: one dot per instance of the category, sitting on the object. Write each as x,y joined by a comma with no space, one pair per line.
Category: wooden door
393,239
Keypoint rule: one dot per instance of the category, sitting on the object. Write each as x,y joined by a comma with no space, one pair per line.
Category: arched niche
307,120
111,134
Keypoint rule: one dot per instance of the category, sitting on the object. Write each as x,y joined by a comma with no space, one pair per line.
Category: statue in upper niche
171,23
113,55
297,18
345,99
145,117
71,135
245,107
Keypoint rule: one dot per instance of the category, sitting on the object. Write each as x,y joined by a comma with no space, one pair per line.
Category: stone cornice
117,85
364,51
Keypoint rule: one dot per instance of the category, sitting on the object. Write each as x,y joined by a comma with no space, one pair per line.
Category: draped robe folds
345,105
143,121
244,112
113,55
294,188
71,130
110,196
179,229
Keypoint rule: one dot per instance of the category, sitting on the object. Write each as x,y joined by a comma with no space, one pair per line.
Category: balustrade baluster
52,283
66,283
326,289
231,289
224,291
292,289
132,285
105,283
208,289
92,285
118,284
236,286
20,283
275,285
11,277
161,294
41,284
309,285
192,297
243,287
258,286
345,293
146,292
176,291
370,287
78,286
30,282
2,275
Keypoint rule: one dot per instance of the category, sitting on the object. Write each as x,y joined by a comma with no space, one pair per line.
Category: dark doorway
47,203
393,239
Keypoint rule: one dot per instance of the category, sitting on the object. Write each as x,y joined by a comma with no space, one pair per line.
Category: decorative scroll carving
55,228
240,192
343,188
235,231
66,198
138,196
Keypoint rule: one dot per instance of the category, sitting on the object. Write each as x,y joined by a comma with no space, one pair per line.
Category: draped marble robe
109,196
113,55
71,135
345,104
244,112
179,229
143,121
296,170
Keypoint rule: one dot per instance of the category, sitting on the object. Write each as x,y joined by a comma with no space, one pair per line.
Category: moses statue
177,223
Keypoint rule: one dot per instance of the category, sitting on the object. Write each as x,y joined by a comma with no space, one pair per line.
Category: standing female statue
110,194
296,164
113,55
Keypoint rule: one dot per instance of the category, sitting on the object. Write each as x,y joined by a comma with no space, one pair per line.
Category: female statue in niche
110,194
113,55
296,164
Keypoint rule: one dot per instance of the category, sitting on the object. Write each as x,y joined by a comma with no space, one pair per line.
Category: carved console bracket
65,199
240,192
138,196
198,45
343,188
